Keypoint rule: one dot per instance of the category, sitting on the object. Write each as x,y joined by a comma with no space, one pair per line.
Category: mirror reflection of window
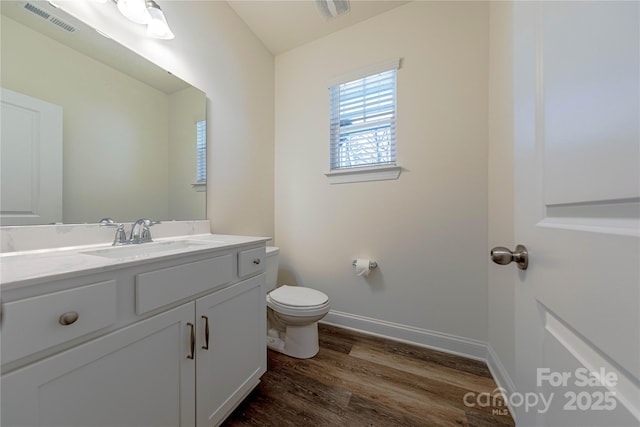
201,152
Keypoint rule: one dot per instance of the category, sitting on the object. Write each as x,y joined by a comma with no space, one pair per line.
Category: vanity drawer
167,285
251,261
34,324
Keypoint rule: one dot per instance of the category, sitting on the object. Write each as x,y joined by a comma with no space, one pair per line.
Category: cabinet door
136,376
237,352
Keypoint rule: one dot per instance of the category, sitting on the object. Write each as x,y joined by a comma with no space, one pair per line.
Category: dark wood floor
361,380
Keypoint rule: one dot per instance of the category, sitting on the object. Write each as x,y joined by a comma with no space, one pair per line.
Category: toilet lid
298,296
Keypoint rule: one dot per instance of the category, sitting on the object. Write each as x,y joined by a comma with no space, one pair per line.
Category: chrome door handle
192,341
206,333
503,256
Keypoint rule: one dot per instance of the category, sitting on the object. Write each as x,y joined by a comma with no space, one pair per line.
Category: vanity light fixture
146,12
158,26
134,10
330,9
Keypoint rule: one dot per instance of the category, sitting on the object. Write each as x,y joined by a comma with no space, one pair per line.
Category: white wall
428,229
501,187
216,52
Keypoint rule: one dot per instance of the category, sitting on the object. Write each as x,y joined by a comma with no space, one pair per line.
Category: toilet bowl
294,314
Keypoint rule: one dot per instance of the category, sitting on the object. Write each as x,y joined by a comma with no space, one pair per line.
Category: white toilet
293,314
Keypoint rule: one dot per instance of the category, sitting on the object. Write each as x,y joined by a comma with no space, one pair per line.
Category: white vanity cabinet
136,376
184,357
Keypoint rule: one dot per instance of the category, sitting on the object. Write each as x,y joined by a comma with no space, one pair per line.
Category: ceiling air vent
49,17
34,9
60,23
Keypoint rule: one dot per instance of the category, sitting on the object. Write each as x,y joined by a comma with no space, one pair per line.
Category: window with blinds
363,122
201,152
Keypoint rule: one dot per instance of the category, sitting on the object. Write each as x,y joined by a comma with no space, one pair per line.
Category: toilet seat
298,301
298,296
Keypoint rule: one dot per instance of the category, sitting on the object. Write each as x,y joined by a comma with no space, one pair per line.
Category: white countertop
37,266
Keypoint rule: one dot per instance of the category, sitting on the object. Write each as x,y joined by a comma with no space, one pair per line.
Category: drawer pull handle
206,333
68,318
192,341
256,261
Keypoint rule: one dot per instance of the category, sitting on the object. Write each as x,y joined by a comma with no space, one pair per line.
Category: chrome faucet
140,232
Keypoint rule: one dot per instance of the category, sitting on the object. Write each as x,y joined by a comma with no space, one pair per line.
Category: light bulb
135,10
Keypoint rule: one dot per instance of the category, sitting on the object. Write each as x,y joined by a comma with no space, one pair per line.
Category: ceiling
285,24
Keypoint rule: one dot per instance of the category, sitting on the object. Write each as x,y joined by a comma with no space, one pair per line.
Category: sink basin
145,249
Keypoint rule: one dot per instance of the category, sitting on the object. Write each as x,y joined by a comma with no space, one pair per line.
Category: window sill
376,173
199,186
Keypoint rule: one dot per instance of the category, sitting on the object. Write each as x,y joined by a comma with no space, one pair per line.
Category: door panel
236,317
577,194
31,157
590,89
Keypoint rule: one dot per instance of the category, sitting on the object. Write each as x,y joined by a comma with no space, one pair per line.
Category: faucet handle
108,222
145,236
121,236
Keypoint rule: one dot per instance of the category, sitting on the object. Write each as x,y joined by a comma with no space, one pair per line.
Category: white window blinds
363,121
201,152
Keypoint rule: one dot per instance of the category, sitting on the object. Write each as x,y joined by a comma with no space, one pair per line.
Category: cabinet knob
256,261
68,318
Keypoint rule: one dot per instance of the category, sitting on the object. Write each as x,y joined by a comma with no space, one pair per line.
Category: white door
577,197
31,160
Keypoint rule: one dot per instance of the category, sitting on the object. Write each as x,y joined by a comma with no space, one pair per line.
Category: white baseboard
499,372
460,346
501,377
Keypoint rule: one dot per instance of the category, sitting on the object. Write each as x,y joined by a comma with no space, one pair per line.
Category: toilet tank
272,267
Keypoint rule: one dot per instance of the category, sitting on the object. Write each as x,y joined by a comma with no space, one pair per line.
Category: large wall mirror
90,129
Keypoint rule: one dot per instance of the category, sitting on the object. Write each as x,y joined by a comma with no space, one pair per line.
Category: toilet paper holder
372,264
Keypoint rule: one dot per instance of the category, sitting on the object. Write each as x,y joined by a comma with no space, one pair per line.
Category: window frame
359,173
